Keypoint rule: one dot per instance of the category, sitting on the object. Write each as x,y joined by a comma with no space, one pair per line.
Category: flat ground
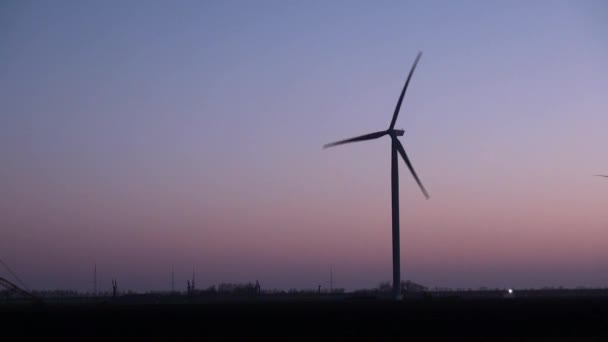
287,320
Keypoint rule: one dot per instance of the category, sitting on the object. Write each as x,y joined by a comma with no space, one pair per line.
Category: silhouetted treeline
255,290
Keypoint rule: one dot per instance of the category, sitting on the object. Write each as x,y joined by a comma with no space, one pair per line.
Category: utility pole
95,279
331,279
172,278
193,275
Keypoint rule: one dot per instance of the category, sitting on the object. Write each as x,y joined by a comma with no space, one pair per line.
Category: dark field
570,319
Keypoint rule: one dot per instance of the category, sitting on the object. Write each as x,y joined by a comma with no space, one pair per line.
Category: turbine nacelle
396,132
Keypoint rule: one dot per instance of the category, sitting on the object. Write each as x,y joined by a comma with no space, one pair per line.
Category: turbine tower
396,148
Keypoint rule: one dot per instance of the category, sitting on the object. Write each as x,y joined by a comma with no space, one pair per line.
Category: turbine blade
602,176
409,165
407,82
370,136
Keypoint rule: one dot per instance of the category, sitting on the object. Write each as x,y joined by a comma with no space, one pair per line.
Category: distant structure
193,276
191,285
410,286
172,278
258,289
114,288
331,280
396,149
95,279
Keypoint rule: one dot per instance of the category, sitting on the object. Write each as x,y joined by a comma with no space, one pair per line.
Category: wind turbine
396,148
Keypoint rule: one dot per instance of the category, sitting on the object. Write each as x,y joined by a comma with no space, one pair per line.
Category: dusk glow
141,135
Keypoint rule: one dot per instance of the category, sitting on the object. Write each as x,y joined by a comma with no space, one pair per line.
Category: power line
14,275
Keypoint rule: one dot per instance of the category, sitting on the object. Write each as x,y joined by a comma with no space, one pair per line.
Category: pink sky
144,137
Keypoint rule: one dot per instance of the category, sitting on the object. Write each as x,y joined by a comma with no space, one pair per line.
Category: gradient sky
141,135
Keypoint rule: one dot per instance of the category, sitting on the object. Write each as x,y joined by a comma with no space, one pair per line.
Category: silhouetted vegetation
254,291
